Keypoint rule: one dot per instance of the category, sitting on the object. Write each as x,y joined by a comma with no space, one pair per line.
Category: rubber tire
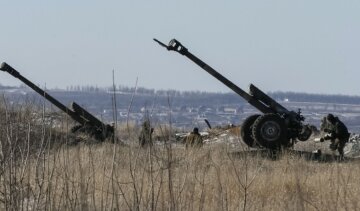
270,131
246,131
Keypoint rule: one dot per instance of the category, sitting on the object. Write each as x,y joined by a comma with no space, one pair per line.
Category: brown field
41,170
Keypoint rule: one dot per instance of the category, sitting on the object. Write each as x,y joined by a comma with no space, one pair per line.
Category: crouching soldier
145,137
194,139
337,133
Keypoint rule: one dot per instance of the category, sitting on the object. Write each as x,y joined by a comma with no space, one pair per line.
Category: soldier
337,133
194,139
145,138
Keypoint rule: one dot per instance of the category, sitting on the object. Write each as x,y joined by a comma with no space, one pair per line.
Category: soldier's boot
341,153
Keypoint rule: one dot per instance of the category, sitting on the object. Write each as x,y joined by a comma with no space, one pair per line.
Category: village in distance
188,109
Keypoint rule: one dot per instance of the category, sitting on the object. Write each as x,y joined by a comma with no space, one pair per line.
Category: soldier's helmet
330,118
196,130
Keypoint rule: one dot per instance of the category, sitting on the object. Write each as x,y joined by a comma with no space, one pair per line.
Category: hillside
42,169
189,109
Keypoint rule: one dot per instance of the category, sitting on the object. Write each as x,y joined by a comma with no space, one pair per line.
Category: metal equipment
88,123
276,127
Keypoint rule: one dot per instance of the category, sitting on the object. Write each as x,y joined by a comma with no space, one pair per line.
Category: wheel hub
270,131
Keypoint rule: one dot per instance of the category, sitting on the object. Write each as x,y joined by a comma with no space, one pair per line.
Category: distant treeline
199,97
7,87
162,96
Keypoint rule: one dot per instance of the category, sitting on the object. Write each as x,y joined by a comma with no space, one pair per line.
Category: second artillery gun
88,123
276,127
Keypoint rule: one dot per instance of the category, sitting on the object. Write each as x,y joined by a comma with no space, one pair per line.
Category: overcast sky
308,46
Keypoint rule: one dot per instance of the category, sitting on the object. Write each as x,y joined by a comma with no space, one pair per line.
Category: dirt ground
305,149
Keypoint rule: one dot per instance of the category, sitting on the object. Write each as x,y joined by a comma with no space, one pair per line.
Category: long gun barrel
7,68
265,106
77,113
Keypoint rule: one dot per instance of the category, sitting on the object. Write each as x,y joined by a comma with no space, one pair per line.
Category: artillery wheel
305,133
246,131
270,131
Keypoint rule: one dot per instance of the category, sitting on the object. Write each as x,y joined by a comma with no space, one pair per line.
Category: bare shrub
164,176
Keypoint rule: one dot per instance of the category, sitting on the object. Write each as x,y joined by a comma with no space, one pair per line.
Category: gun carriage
274,128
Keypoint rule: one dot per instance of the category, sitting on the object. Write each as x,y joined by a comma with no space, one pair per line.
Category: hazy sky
304,46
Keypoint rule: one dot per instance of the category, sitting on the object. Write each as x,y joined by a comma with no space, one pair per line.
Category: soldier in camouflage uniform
145,137
337,133
194,139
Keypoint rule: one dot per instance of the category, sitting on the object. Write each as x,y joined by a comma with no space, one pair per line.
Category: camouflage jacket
337,130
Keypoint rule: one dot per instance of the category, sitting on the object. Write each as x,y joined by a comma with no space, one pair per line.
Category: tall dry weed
34,175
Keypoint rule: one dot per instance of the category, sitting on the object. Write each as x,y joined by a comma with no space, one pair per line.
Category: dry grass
107,176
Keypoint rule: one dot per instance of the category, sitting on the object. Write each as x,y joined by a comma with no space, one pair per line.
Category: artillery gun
276,127
87,122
